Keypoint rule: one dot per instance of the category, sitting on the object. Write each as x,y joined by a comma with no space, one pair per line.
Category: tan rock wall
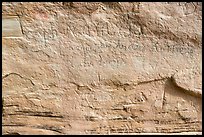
101,68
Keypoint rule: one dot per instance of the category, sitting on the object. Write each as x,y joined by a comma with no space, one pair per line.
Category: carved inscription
103,57
155,47
41,36
102,39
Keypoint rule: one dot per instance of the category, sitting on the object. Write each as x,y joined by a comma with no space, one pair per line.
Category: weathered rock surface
101,68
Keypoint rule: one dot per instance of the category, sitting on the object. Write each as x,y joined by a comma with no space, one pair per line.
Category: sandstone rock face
101,68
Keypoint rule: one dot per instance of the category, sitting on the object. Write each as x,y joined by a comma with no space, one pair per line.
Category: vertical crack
20,24
45,40
99,77
163,99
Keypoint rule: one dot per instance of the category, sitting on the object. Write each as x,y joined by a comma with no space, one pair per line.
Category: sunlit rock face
101,68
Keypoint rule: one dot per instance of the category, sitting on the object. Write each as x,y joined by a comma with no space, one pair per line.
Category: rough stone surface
102,68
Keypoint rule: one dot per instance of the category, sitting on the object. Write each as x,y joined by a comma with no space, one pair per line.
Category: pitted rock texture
101,68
